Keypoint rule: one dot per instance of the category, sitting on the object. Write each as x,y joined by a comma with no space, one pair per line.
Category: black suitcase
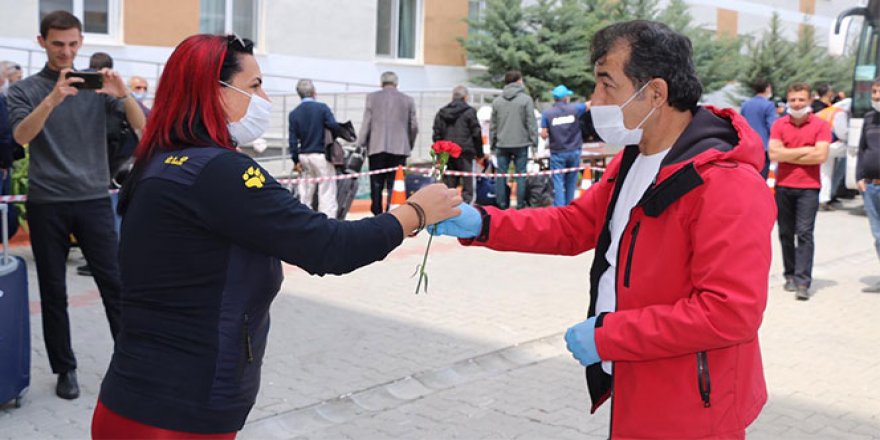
15,329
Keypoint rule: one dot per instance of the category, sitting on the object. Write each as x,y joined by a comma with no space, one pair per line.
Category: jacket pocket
629,256
247,356
703,380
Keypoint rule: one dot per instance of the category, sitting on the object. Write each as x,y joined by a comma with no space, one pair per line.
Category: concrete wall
159,22
444,23
329,29
20,19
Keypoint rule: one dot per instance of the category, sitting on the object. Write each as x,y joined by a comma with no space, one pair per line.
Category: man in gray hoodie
513,130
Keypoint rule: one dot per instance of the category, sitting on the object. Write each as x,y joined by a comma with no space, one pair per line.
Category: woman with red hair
203,234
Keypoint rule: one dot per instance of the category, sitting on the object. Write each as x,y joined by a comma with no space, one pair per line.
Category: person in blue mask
681,228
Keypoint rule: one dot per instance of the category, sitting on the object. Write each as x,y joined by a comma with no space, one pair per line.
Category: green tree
561,36
782,62
549,41
500,40
717,58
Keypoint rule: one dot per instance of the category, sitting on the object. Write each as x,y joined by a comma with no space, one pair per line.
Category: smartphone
91,80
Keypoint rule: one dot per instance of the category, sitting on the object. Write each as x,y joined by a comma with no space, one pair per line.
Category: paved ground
480,356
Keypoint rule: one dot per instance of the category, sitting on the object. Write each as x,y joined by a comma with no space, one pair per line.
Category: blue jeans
520,157
564,184
872,208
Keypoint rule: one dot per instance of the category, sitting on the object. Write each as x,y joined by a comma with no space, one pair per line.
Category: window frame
113,37
228,21
418,31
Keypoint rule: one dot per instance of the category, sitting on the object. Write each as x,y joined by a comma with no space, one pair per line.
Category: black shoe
67,387
826,207
84,270
872,289
803,293
789,285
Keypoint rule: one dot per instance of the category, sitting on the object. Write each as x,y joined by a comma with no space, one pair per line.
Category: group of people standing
389,129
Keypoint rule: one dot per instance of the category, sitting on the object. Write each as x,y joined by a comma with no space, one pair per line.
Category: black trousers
797,219
380,181
462,163
92,223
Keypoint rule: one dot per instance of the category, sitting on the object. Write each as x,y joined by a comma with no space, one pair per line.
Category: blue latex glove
579,339
468,224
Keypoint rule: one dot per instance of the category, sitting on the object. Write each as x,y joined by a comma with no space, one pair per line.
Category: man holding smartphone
65,124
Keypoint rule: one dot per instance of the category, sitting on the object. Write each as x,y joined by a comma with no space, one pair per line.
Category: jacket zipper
247,340
703,378
629,256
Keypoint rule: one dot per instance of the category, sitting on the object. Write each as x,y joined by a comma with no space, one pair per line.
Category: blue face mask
140,96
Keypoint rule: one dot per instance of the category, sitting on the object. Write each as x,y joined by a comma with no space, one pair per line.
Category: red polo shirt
814,130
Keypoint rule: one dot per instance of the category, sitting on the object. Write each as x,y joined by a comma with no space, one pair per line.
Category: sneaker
67,387
789,285
803,293
872,289
826,207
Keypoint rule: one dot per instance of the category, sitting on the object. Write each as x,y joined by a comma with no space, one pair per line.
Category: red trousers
107,425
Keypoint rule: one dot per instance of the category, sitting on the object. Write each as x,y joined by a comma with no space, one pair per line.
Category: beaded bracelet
420,212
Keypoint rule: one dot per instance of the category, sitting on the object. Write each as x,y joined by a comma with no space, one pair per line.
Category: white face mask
139,95
876,105
255,121
797,114
608,121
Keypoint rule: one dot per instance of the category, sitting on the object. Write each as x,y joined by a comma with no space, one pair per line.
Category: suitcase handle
7,263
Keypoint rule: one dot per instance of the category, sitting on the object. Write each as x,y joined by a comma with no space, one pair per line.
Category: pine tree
782,62
500,40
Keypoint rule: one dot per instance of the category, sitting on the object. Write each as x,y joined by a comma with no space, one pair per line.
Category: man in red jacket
681,226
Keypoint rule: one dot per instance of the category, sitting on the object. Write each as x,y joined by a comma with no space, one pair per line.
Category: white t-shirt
638,180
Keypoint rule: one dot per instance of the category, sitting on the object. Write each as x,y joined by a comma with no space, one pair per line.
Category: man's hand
33,123
63,88
467,224
580,341
114,85
863,186
298,167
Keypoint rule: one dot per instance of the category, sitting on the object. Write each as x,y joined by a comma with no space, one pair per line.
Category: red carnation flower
450,147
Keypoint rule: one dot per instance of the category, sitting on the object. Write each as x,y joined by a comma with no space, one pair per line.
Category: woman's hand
436,200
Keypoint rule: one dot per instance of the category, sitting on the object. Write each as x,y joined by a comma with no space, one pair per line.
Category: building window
237,17
397,28
476,10
99,17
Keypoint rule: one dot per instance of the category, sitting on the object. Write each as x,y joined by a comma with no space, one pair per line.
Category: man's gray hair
459,92
388,79
305,88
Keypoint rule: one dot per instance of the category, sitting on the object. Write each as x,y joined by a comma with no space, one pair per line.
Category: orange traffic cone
771,179
398,192
586,182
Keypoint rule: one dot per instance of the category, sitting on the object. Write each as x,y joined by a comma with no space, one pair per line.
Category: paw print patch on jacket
253,178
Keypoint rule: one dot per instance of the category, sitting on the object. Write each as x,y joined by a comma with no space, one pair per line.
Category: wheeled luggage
15,329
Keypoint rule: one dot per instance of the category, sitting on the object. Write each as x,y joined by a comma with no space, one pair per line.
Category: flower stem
422,274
